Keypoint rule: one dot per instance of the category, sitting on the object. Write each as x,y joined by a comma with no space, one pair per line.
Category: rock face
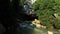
25,17
8,14
27,11
28,8
2,29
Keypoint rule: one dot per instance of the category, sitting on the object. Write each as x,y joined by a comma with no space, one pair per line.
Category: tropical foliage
45,10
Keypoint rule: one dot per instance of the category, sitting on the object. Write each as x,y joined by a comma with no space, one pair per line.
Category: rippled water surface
26,28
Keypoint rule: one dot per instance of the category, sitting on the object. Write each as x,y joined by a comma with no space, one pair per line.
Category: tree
45,10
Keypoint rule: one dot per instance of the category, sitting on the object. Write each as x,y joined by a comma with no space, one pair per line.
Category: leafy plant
45,9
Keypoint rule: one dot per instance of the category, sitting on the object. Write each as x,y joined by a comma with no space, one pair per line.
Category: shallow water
25,28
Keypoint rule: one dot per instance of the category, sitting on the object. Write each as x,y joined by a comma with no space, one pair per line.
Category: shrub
57,23
45,9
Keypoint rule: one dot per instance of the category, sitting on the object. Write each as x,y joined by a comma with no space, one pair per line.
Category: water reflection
25,28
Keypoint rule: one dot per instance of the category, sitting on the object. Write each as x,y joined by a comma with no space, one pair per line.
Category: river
28,28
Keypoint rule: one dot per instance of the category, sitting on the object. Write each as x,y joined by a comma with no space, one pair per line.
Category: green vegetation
45,10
